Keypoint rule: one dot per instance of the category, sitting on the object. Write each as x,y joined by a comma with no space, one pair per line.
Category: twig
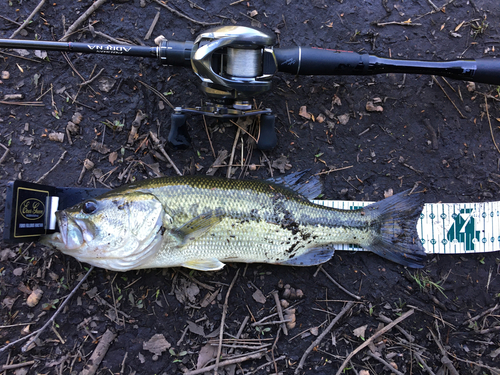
227,363
114,40
82,18
37,333
91,79
444,360
53,167
152,27
280,312
332,170
338,285
99,353
316,342
436,8
372,338
28,20
396,23
16,366
432,133
33,104
224,313
208,136
423,363
176,12
385,363
452,102
489,122
156,141
228,174
4,156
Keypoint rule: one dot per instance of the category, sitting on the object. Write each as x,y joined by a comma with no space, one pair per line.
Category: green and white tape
448,228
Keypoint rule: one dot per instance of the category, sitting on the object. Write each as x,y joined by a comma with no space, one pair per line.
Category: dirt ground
373,150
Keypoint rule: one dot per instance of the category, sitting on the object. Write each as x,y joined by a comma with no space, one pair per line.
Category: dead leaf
370,107
344,119
259,296
186,291
34,297
106,84
156,344
360,331
388,193
8,302
207,353
336,101
195,328
6,254
112,157
17,271
40,54
303,113
314,331
320,118
282,163
99,147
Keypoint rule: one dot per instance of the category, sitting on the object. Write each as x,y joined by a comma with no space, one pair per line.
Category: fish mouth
74,232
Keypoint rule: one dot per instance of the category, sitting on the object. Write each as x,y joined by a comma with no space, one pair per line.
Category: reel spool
234,63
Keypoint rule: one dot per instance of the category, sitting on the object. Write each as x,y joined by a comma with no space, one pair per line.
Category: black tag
26,210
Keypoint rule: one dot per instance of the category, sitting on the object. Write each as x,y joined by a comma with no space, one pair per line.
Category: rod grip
487,71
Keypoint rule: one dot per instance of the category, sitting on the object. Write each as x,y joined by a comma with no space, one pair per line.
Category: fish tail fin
397,239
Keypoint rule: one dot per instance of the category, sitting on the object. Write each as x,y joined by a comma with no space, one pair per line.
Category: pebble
5,74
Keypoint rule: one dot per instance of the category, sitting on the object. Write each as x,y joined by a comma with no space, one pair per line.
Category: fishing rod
236,63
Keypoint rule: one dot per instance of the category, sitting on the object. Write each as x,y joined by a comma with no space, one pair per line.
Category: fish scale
205,221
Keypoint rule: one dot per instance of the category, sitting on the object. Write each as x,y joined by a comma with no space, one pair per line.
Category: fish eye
89,207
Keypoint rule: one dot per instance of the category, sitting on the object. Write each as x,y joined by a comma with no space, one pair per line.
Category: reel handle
318,61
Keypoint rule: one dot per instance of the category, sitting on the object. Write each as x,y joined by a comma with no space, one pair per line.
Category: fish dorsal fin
211,264
309,189
196,227
313,257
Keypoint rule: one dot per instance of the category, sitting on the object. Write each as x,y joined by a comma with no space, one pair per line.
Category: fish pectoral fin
196,227
312,257
212,264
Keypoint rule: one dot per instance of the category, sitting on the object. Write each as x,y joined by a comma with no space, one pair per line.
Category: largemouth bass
201,222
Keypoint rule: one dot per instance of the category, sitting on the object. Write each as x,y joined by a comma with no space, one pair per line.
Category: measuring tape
447,228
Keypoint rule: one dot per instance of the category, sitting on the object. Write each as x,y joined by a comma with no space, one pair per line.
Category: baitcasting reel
236,63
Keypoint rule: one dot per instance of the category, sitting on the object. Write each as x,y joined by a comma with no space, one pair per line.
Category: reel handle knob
267,136
178,137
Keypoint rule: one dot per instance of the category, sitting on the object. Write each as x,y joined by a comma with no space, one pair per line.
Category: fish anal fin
196,227
312,257
211,264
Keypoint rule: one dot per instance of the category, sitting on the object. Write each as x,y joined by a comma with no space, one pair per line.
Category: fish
203,222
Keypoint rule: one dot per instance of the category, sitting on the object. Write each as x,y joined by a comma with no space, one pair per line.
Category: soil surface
427,133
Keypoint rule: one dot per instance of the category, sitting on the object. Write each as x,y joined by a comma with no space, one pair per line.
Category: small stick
396,23
385,363
53,167
333,170
228,174
423,363
280,312
442,88
28,20
372,338
489,122
4,156
208,135
16,366
37,333
338,285
316,342
479,316
114,40
162,150
436,8
153,24
176,12
224,313
92,79
99,353
226,363
82,18
444,360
